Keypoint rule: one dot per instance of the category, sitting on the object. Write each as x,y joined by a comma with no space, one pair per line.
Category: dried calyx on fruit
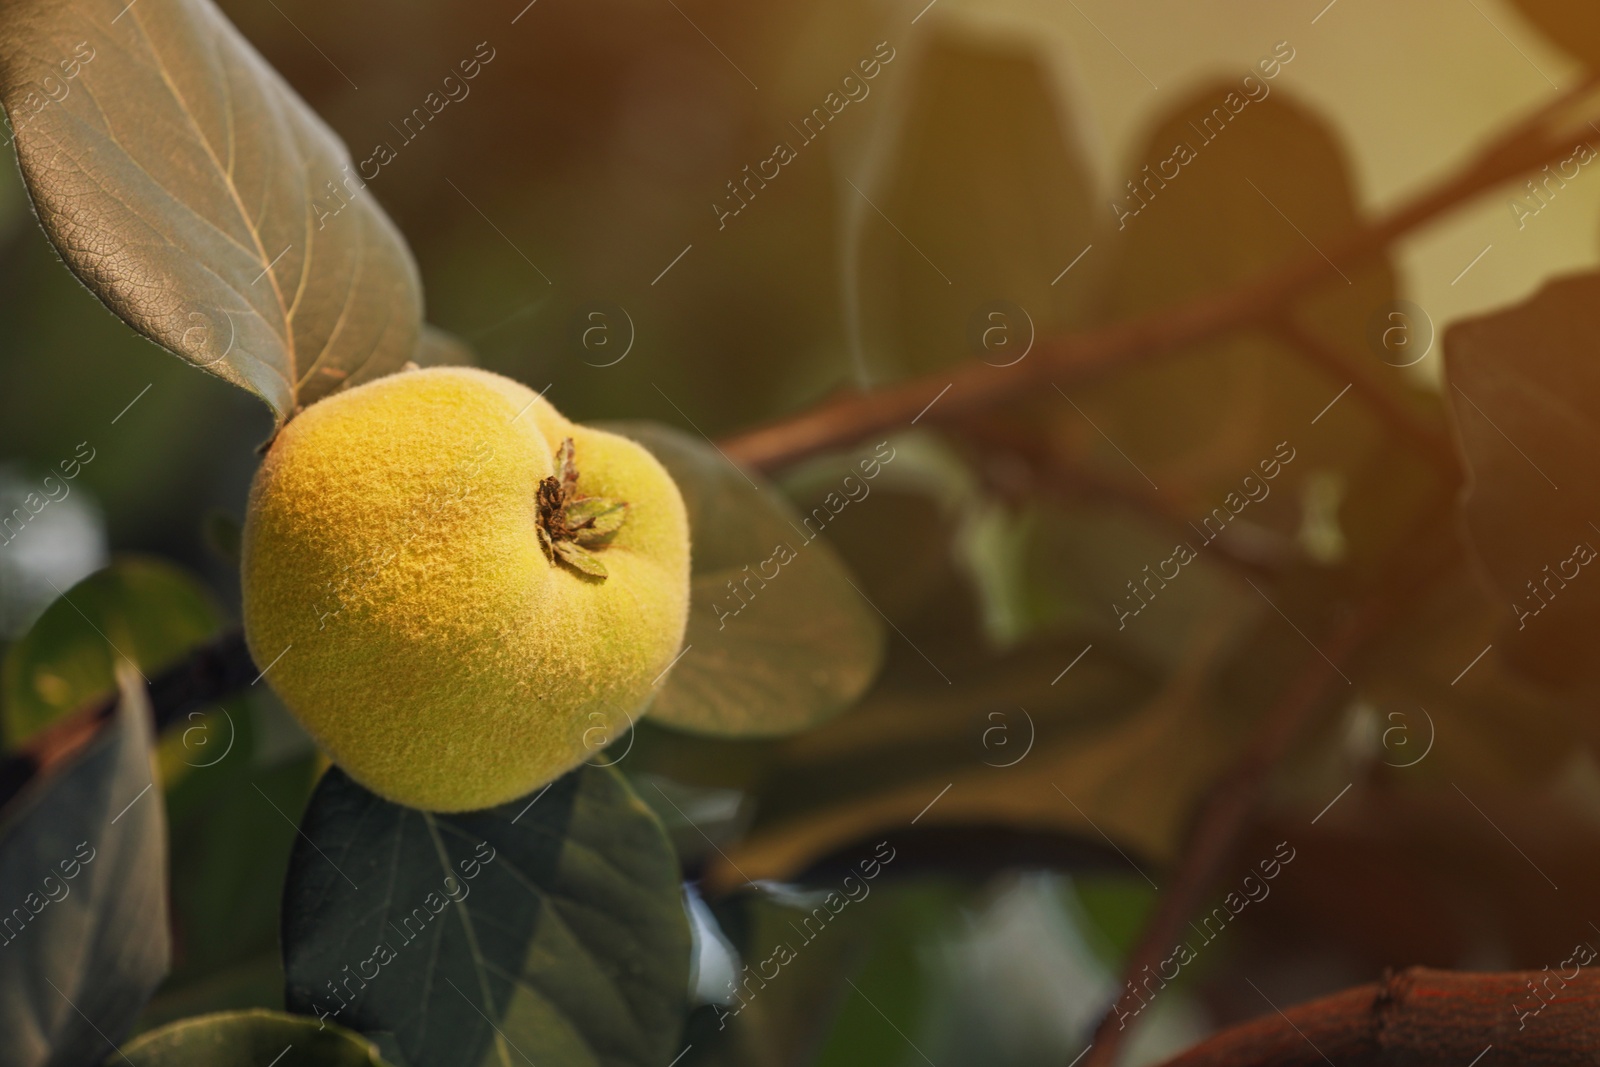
570,525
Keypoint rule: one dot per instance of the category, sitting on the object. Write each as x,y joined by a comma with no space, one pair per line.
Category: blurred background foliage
596,146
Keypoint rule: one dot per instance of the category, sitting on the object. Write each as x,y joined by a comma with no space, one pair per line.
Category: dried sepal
594,519
568,524
567,468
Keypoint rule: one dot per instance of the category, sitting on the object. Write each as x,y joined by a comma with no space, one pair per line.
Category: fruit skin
433,649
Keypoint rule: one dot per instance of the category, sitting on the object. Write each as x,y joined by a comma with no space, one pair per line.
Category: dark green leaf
223,534
1106,745
1526,391
550,930
1246,202
985,213
778,638
249,1039
231,839
197,196
83,868
143,609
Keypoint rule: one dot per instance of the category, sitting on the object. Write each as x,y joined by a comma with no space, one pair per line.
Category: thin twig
1223,817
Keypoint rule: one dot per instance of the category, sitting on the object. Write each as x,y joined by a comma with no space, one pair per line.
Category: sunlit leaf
141,609
598,517
83,867
250,1039
549,930
197,196
778,638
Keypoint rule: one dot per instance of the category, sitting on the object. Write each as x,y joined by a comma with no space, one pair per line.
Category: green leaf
201,200
143,609
230,848
550,930
83,870
1105,748
1526,393
1237,181
941,284
249,1039
779,639
1204,417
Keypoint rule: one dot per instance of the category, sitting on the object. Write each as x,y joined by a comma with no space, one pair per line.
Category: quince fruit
461,594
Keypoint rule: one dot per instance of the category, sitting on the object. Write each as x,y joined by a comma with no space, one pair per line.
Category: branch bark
1221,820
208,674
1421,1018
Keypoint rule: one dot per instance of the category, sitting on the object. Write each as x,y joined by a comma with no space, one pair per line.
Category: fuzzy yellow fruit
421,602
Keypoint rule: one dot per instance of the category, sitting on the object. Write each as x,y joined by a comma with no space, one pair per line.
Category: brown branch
850,416
1421,1018
1221,820
1252,551
208,674
1431,441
